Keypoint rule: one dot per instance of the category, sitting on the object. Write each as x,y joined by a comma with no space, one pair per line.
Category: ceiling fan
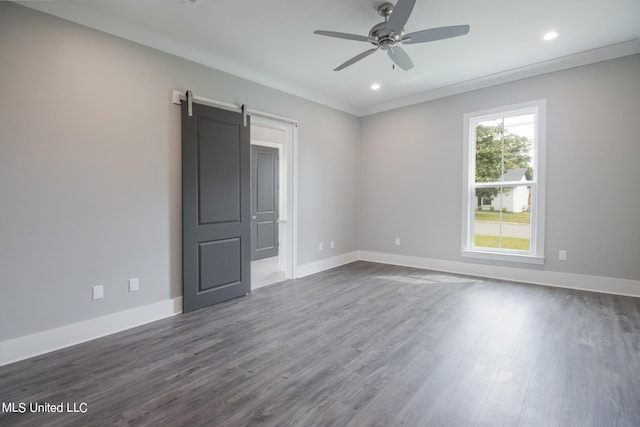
386,35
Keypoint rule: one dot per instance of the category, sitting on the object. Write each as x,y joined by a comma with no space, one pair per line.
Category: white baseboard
21,348
608,285
27,346
327,263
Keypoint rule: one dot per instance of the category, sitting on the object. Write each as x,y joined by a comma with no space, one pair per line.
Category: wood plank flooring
361,345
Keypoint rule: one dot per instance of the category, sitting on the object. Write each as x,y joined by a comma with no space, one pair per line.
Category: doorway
280,138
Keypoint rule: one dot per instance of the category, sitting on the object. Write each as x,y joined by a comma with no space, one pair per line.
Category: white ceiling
272,42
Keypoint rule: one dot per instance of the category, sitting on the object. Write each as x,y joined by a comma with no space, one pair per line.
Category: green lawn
507,242
520,217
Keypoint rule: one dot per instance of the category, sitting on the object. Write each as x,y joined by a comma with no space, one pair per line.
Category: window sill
502,256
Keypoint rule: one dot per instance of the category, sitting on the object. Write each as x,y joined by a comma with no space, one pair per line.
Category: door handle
253,217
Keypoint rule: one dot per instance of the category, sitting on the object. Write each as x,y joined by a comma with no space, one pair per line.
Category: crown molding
83,15
605,53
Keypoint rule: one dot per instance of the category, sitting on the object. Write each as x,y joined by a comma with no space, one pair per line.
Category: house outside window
504,178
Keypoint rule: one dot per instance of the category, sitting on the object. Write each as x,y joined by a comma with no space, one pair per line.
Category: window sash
532,232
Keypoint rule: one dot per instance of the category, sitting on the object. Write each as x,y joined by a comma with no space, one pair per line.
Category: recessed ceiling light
550,35
375,86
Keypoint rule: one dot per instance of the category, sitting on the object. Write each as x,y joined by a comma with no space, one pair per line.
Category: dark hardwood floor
360,345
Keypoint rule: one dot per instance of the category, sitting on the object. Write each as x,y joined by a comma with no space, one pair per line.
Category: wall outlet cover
98,292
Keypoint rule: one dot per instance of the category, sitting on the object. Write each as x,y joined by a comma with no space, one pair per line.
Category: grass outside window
519,217
515,243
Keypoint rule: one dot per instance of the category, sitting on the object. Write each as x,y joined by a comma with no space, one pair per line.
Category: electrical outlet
562,255
397,241
320,246
98,292
332,244
134,285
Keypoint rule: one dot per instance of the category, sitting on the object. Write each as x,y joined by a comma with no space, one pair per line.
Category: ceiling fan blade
400,57
342,35
400,15
434,34
355,59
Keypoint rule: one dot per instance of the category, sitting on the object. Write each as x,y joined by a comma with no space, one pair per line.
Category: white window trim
536,255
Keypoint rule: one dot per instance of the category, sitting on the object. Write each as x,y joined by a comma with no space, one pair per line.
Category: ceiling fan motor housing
381,37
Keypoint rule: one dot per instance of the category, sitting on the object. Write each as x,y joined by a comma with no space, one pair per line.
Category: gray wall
411,166
90,170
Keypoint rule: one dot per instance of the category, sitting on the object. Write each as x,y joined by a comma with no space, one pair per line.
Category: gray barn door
216,226
264,202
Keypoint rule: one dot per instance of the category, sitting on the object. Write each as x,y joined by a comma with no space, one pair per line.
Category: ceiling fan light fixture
550,35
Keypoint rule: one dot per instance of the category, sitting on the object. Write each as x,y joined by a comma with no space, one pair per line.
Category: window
503,196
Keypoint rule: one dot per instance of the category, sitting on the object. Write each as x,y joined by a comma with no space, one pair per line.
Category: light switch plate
134,285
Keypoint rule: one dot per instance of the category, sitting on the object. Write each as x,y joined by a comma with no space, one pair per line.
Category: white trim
261,143
327,263
607,285
82,14
506,256
21,348
592,56
263,114
293,213
290,226
27,346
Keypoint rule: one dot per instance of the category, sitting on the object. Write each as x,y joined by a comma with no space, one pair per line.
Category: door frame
289,227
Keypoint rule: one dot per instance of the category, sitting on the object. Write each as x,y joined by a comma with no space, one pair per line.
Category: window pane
518,147
505,149
489,151
506,222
